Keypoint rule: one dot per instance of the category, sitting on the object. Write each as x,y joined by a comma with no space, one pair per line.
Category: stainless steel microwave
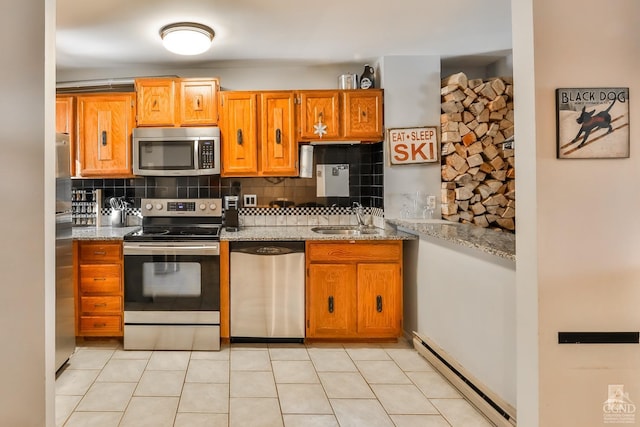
176,151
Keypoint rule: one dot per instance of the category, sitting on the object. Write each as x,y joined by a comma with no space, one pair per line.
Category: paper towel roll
306,161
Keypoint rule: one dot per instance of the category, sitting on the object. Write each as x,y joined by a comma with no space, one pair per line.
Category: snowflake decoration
320,128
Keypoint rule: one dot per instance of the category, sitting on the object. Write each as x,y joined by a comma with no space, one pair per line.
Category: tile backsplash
365,183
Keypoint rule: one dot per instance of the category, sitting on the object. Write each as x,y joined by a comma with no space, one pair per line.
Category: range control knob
202,206
213,206
159,206
148,206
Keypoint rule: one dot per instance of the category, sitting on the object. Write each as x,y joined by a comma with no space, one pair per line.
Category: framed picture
592,123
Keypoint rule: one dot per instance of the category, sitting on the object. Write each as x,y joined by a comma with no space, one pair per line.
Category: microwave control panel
207,159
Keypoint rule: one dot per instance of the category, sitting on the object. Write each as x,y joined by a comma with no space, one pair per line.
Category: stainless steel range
172,276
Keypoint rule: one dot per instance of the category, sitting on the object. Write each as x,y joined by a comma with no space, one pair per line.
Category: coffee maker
230,216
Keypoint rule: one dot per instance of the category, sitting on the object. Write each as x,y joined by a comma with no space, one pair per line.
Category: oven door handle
170,249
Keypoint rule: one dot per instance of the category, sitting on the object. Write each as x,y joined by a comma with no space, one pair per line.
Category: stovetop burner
172,219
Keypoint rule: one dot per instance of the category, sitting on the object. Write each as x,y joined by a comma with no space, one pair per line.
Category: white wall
27,223
577,236
411,99
235,76
466,306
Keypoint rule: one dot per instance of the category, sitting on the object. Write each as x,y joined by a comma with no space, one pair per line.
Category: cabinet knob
239,136
330,303
99,252
104,304
379,303
278,136
104,138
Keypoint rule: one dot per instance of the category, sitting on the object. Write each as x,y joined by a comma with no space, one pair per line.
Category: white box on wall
332,180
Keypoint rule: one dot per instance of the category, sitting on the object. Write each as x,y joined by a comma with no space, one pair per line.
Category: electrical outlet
250,200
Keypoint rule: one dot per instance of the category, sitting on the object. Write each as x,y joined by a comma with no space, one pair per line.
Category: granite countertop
498,243
258,233
101,233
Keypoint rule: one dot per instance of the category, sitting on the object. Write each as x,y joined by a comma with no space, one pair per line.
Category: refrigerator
65,309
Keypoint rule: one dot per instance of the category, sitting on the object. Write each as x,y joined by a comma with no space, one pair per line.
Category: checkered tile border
307,211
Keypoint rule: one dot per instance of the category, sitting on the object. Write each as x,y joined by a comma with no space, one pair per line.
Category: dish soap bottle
367,80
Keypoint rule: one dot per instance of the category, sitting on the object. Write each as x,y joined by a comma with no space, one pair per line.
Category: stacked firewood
478,174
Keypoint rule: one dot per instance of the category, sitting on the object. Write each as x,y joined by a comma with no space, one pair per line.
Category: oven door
171,276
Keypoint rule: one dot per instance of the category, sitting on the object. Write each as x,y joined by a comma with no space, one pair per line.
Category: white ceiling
116,33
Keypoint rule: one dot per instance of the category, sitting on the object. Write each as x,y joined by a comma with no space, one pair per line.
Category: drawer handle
96,279
99,325
104,304
330,304
379,303
100,252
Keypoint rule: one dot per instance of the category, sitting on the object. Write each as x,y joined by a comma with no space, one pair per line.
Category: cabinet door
239,134
379,299
363,115
198,102
65,123
331,300
156,102
105,124
279,149
319,115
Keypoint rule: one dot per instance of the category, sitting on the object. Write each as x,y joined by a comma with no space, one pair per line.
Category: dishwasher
267,291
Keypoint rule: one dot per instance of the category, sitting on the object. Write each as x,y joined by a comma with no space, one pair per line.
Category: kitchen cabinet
177,102
66,122
354,289
340,115
258,134
319,112
99,289
105,124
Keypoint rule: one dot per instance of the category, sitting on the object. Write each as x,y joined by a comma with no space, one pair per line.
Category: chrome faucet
358,209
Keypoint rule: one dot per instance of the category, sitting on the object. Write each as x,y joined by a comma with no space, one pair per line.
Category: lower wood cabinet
354,289
99,290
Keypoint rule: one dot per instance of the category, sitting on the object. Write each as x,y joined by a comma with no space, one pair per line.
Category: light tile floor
275,385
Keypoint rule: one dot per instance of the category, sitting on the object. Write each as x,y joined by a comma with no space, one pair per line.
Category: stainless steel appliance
65,326
267,291
231,220
176,151
172,276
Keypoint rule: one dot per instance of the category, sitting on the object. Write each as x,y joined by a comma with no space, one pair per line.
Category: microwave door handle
196,154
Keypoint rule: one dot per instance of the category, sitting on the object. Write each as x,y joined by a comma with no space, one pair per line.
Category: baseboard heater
492,406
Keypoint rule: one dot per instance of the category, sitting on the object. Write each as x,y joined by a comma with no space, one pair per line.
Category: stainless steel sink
344,229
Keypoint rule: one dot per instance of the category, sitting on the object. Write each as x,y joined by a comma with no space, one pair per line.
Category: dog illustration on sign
593,123
588,122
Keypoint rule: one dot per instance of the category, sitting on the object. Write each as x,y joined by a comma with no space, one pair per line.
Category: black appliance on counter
172,276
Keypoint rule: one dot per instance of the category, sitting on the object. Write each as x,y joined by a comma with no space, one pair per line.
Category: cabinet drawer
101,325
354,251
101,305
100,278
100,252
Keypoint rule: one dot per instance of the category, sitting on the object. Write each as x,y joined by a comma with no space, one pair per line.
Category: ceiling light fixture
186,38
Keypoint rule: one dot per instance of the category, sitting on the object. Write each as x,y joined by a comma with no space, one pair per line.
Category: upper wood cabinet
66,123
198,102
319,112
177,102
105,125
341,115
238,133
278,147
362,115
258,134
